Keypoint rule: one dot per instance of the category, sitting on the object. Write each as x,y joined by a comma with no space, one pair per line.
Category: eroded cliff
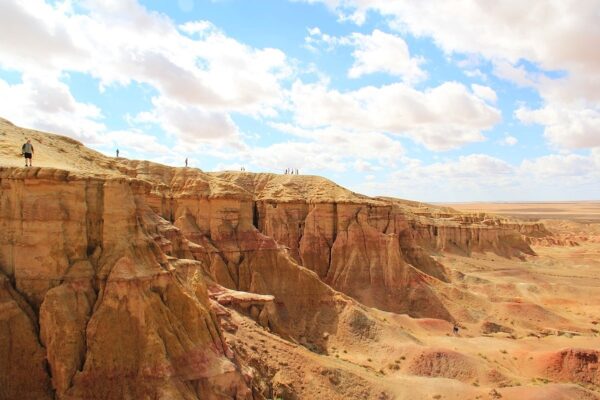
113,271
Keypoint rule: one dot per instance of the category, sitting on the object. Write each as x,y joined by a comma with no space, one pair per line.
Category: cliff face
82,277
112,279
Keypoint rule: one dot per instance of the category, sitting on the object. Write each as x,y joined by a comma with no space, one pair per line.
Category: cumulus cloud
572,166
36,37
484,92
47,103
464,168
193,67
191,123
440,118
553,36
487,178
554,33
565,126
348,144
375,52
383,52
136,144
476,175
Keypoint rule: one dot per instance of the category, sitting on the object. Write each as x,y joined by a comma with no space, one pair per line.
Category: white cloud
306,156
484,92
191,123
383,52
553,35
47,104
120,42
564,126
348,144
573,166
477,176
198,27
514,73
557,34
441,118
375,52
133,143
509,140
465,168
36,37
481,177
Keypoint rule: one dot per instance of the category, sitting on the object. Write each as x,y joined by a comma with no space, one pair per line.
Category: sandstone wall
86,289
104,278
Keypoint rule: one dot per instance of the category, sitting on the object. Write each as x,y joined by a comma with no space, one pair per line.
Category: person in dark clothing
27,151
117,153
186,162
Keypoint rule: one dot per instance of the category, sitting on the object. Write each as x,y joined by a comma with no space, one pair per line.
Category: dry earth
581,211
123,279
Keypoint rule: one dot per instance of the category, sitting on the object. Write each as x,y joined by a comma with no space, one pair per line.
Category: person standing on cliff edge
27,151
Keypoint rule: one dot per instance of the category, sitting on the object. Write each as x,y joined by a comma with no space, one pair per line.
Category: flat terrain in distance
581,211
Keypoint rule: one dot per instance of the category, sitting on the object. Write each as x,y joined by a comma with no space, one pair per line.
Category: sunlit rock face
116,277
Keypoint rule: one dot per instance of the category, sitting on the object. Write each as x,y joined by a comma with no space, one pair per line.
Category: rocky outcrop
570,365
23,373
111,306
115,279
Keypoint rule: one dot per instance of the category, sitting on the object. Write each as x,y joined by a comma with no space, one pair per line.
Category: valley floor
529,329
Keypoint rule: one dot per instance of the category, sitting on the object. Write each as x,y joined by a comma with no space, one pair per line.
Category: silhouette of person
27,151
117,153
186,162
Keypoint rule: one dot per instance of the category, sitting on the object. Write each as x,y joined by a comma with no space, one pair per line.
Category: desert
125,279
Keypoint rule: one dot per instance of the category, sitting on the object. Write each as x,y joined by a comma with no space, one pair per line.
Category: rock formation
122,279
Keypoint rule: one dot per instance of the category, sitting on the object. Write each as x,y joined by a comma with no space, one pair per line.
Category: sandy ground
529,329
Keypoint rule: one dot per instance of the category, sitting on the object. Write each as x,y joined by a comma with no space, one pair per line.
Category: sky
429,100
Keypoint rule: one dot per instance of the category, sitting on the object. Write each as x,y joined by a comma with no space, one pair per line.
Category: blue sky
432,101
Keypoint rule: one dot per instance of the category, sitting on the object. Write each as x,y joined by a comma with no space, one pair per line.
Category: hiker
455,330
27,151
117,153
186,161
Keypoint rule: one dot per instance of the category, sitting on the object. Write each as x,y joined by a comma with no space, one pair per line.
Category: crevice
255,216
94,193
389,220
335,224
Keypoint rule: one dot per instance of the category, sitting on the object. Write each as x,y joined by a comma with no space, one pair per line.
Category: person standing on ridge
117,153
186,162
27,151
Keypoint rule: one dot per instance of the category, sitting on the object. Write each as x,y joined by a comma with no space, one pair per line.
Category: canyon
127,279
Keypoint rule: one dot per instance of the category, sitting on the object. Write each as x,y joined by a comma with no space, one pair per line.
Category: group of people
27,152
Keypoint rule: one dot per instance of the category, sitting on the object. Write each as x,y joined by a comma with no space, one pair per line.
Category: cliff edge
118,278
